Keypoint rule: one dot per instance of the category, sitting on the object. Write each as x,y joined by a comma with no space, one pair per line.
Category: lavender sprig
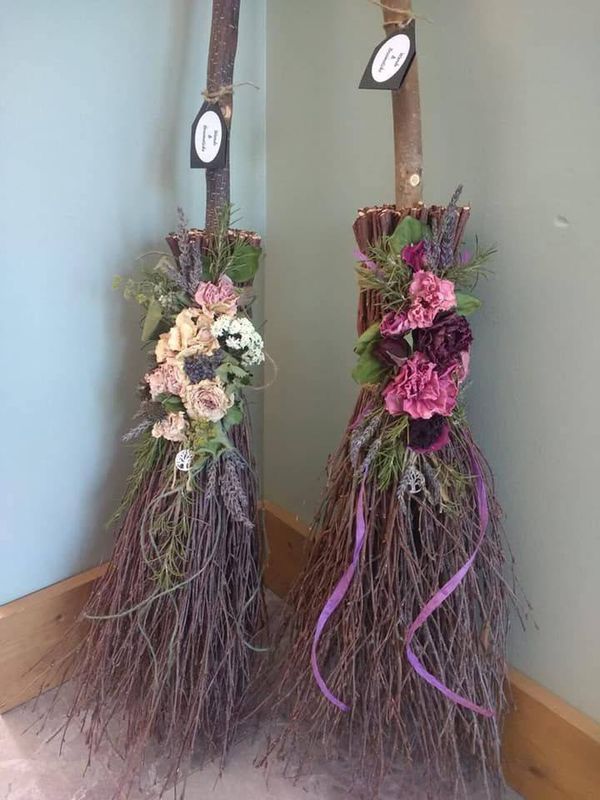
233,494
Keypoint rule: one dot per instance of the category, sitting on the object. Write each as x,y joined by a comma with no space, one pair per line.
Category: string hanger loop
223,91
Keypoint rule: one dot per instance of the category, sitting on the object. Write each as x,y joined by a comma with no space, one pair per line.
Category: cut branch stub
221,60
406,112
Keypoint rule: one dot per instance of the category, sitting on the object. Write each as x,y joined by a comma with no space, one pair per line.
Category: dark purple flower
391,351
428,435
414,255
446,340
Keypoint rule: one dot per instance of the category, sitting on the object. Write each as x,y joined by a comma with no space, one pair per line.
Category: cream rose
173,427
207,400
162,351
192,334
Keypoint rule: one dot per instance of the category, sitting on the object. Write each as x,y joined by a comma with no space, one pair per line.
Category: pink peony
394,323
430,295
166,379
217,298
414,256
420,391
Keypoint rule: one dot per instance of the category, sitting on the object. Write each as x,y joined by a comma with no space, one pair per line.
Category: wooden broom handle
219,74
406,112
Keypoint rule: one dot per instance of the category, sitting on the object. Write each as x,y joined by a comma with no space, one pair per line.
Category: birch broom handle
406,112
219,75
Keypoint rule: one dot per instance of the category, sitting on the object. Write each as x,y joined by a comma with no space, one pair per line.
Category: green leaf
212,447
152,320
466,303
409,231
228,372
368,370
170,402
233,417
244,263
367,338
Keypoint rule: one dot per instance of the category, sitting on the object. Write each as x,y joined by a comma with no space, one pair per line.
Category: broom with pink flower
397,626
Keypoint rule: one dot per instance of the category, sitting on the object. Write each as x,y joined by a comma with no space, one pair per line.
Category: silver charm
413,481
184,460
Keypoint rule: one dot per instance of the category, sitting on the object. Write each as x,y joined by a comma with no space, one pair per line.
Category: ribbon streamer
336,598
436,601
440,596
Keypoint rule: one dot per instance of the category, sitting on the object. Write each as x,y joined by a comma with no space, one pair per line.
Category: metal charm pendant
413,481
184,460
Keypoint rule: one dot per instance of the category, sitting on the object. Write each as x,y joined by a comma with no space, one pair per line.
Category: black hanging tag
391,60
209,138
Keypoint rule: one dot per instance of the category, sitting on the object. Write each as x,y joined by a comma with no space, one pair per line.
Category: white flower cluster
241,335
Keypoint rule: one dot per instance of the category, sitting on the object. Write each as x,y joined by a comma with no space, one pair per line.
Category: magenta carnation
394,324
430,295
420,391
217,298
414,255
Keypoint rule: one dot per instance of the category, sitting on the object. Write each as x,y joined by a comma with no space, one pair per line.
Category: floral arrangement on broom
178,618
398,622
205,354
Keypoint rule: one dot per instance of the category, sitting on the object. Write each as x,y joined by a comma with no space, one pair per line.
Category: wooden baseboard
551,751
34,626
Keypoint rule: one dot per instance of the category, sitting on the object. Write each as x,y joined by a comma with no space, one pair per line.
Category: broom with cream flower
175,624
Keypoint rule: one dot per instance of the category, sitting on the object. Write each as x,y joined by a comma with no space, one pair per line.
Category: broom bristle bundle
411,549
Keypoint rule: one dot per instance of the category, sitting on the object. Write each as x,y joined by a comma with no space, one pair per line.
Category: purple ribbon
436,601
336,598
446,590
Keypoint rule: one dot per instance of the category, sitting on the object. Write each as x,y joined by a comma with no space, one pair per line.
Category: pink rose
430,295
207,400
414,255
394,323
420,391
217,298
166,379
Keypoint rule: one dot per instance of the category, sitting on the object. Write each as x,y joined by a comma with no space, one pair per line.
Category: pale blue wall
96,101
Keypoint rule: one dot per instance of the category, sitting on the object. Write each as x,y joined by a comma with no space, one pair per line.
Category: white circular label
390,57
209,133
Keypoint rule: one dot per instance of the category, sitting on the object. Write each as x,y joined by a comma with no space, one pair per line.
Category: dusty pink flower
217,298
207,400
394,323
420,391
430,295
414,255
166,378
173,427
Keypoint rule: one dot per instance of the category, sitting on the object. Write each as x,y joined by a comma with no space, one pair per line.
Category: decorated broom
398,622
176,620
